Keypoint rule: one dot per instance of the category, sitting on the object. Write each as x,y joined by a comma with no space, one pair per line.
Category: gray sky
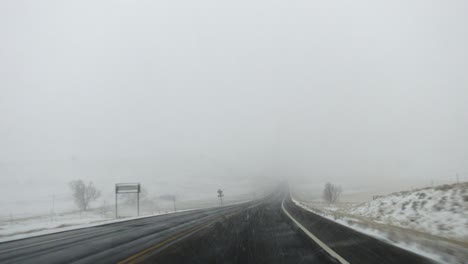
361,93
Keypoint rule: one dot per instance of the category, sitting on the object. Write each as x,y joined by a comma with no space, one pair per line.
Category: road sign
127,188
220,195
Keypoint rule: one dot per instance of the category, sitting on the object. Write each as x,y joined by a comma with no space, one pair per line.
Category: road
257,232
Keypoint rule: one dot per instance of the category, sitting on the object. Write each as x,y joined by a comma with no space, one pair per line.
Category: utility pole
173,199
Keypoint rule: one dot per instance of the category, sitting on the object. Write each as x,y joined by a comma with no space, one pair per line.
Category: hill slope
442,210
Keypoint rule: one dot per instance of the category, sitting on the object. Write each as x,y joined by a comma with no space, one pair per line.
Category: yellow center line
133,258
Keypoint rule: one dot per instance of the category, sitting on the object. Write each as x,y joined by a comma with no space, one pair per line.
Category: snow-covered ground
432,221
18,229
441,210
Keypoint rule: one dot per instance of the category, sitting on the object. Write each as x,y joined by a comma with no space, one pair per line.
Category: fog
192,96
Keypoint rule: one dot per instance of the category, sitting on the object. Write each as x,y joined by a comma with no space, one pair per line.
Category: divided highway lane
112,242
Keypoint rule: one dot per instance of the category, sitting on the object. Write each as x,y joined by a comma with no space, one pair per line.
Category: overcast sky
359,92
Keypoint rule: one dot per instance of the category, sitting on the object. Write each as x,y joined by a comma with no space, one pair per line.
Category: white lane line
316,240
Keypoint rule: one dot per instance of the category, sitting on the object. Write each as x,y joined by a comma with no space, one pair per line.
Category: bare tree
84,194
331,192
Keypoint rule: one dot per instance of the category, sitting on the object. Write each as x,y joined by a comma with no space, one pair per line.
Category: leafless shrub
84,194
331,193
444,187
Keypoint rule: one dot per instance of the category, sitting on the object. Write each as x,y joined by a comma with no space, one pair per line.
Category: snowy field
431,221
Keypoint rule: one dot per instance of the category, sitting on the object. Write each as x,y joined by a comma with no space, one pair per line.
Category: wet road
260,234
266,234
257,232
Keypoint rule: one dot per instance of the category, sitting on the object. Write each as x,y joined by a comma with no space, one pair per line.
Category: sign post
220,195
127,188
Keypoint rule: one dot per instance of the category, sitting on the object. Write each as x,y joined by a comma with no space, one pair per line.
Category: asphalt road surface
257,232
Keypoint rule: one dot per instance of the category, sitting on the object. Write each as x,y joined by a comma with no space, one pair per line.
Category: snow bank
441,211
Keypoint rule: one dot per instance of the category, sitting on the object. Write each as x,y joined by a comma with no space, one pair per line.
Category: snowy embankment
441,211
432,222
